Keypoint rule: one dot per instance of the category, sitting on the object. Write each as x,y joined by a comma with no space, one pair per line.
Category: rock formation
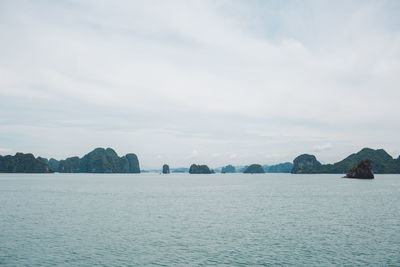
228,169
279,168
383,163
363,170
305,164
100,160
199,169
165,169
23,163
254,168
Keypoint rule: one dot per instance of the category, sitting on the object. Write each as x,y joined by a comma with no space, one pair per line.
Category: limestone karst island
362,164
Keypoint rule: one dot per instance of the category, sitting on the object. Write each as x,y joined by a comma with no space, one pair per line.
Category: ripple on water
225,220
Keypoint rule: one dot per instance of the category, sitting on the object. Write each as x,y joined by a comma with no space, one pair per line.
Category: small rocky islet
99,160
199,169
254,168
228,169
363,170
165,169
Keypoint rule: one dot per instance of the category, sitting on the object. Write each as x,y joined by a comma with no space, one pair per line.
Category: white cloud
223,78
326,146
5,151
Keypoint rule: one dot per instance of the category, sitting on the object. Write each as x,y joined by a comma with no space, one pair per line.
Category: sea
198,220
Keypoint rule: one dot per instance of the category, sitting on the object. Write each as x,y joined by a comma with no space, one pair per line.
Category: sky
207,82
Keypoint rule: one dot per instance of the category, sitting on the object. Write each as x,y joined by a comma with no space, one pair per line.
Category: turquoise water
182,219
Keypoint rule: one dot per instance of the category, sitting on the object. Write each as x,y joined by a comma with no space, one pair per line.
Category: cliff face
54,164
199,169
100,160
23,163
305,164
254,168
71,164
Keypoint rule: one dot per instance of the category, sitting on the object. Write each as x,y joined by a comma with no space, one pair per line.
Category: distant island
382,163
285,167
279,168
99,160
228,169
362,170
23,163
254,168
102,160
165,169
199,169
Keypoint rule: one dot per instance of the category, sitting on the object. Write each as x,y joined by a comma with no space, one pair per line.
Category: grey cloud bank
212,82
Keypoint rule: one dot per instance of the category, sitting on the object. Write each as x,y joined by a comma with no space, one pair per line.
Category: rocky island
279,168
383,163
254,168
305,164
23,163
165,169
362,170
199,169
100,160
228,169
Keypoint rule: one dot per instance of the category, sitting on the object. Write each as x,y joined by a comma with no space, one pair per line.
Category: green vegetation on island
254,168
279,168
100,160
23,163
54,164
285,167
165,169
305,164
199,169
228,169
362,170
382,163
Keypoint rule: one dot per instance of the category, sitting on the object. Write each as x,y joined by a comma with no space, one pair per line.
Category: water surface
182,219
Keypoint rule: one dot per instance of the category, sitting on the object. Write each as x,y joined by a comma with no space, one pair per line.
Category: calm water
181,219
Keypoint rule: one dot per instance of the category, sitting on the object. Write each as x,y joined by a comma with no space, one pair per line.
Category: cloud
323,147
194,154
164,78
5,151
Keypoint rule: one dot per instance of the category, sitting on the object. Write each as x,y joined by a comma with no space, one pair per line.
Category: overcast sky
213,82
